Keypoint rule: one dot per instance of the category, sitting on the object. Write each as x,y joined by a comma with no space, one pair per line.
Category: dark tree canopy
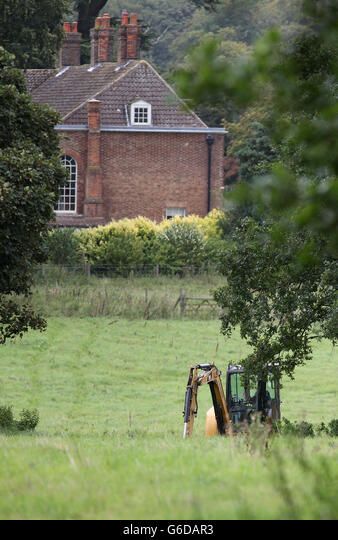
30,174
32,30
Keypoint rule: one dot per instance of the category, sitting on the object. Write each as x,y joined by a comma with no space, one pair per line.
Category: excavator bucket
211,425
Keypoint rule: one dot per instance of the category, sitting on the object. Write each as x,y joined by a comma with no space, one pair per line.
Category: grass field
60,292
110,394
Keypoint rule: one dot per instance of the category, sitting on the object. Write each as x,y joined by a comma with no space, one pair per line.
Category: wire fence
128,271
106,291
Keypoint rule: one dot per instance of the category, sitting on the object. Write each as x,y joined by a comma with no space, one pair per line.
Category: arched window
68,192
141,113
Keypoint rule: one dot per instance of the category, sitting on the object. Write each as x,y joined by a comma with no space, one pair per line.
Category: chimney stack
70,54
129,38
102,40
93,205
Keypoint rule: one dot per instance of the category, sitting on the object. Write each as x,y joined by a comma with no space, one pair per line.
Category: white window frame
65,192
172,212
135,113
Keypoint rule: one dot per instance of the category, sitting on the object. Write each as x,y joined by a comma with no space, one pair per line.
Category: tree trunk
88,10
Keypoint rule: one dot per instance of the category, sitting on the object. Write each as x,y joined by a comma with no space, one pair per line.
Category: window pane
67,200
141,114
173,212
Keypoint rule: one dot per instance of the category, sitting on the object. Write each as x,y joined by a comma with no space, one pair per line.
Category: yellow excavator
241,402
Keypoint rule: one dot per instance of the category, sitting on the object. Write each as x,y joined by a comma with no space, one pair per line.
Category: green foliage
333,428
299,429
282,270
181,246
63,247
117,245
140,245
27,422
305,429
298,78
6,417
256,153
278,302
30,175
146,232
32,32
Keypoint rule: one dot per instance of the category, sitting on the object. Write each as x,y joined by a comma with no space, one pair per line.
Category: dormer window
141,113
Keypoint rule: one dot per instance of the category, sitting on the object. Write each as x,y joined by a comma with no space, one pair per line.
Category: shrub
333,428
28,420
63,247
116,245
298,429
147,230
136,244
215,249
6,417
181,246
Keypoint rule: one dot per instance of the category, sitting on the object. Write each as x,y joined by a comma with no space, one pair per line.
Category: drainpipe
210,141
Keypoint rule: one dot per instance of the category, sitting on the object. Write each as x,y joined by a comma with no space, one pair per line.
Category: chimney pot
67,27
98,22
134,19
94,115
125,18
105,21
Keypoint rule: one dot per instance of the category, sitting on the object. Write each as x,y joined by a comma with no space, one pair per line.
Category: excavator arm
199,375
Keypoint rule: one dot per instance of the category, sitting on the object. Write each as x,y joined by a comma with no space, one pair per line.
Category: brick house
130,145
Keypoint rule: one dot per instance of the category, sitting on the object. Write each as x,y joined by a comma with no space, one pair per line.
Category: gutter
121,129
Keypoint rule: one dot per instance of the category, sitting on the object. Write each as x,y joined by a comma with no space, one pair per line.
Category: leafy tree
30,174
282,269
256,154
280,302
300,80
32,30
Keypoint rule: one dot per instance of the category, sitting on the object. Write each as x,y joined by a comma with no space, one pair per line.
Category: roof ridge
103,89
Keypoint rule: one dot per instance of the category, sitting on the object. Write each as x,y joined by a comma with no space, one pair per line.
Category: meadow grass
61,292
109,444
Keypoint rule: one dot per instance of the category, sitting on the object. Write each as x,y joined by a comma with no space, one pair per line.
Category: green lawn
110,395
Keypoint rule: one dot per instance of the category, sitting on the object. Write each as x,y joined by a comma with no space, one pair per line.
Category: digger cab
244,399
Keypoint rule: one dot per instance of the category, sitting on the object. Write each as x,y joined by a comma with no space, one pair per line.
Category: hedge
191,243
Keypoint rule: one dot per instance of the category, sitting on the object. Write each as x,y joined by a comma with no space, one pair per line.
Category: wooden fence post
183,302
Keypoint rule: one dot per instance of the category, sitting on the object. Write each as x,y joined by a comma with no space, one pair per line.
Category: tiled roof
36,77
116,86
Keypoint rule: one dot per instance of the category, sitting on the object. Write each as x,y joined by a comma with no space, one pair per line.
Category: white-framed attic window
140,113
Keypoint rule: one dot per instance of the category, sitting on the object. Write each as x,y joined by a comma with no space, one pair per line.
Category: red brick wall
70,53
144,173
